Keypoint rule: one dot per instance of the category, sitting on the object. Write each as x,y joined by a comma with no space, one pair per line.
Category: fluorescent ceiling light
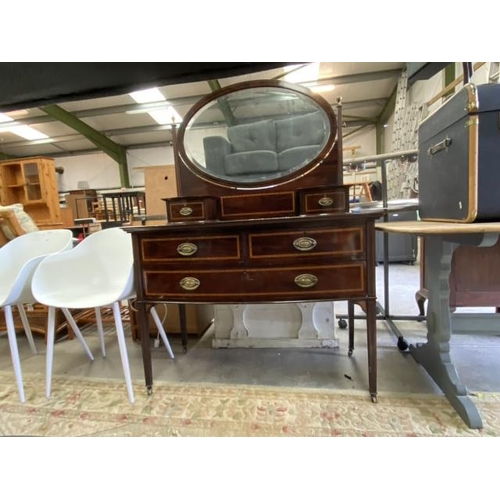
163,114
148,108
5,118
26,132
302,73
166,116
23,131
18,112
149,95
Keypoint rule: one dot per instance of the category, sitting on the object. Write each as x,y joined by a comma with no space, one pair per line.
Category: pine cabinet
32,182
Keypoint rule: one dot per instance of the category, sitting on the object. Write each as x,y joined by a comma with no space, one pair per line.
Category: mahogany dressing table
262,214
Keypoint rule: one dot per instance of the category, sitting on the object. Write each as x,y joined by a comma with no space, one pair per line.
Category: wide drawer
193,248
340,242
259,284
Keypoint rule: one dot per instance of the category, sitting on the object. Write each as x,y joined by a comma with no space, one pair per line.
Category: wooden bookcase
32,182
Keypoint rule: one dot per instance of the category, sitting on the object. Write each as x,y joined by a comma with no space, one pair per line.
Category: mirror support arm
339,138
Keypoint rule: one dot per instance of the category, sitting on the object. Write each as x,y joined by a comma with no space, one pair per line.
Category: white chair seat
72,300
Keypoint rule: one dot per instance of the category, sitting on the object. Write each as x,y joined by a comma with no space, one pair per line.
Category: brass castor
349,353
374,398
149,390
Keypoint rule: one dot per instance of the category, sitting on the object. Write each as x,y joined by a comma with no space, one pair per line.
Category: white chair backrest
20,257
110,251
103,260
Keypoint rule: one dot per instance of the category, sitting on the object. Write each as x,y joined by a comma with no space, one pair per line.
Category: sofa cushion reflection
266,148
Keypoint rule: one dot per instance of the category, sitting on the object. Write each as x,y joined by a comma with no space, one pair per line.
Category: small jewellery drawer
262,205
210,248
346,241
327,200
191,208
254,285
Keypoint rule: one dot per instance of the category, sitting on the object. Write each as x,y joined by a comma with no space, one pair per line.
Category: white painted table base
304,324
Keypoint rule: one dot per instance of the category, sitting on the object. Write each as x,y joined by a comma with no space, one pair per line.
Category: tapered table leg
371,332
350,317
182,320
143,325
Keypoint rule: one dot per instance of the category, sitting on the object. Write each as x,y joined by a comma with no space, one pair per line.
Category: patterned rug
89,407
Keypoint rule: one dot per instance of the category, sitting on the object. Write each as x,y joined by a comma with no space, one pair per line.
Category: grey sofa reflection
266,147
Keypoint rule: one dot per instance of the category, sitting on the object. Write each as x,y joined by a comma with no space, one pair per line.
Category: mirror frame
181,154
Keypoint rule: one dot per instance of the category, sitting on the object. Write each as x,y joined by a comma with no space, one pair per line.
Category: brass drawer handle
304,244
187,249
306,280
189,283
326,201
186,211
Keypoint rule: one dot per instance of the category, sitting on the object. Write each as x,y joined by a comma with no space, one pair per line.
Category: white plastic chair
98,272
19,259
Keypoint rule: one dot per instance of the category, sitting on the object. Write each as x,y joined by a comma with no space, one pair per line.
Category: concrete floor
475,356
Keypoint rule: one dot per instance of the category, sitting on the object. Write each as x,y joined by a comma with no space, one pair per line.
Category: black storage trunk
459,157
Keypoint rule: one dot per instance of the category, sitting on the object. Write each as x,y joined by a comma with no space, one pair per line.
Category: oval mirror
256,134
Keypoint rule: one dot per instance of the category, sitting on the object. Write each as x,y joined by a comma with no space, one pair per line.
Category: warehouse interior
104,141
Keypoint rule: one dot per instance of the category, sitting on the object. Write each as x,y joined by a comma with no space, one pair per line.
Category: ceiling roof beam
357,78
389,107
96,151
358,123
354,131
111,148
87,113
223,104
123,108
380,101
99,139
77,153
141,130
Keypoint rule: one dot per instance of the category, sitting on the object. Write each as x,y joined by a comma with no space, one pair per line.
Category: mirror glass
256,134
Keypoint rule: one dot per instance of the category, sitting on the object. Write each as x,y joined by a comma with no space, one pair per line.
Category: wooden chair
359,191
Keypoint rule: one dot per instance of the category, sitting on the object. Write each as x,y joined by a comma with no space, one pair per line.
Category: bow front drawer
259,284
